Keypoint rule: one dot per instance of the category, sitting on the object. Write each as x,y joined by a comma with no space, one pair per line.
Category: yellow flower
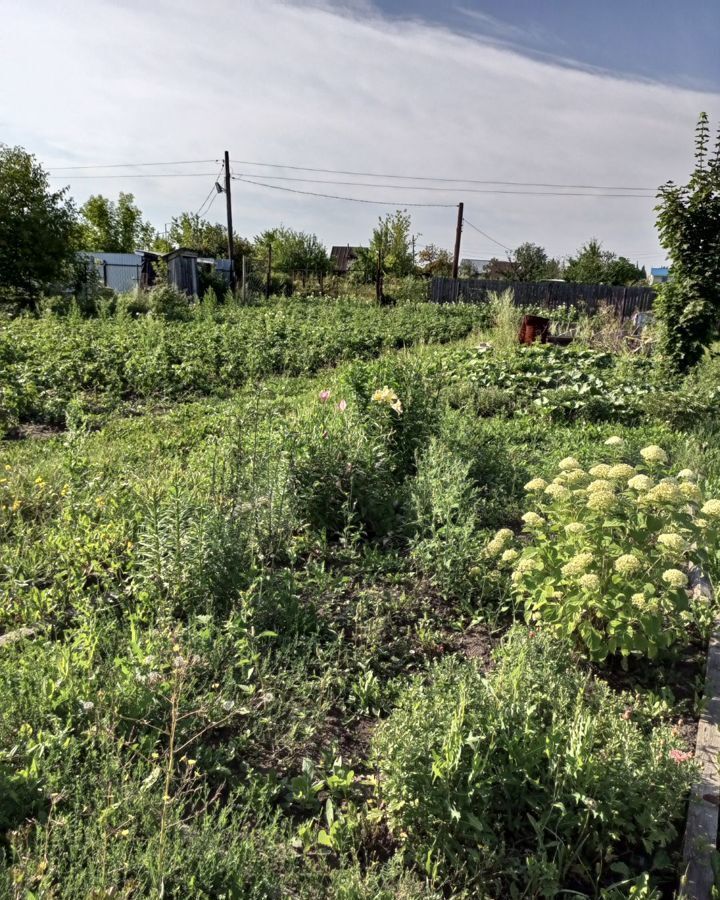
627,564
568,463
16,505
589,582
621,470
577,565
675,543
654,454
8,468
711,508
614,441
537,484
533,519
641,483
675,578
388,397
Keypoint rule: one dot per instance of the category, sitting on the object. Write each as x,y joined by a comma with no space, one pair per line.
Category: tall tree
390,250
689,226
530,262
435,260
204,237
37,226
593,265
114,226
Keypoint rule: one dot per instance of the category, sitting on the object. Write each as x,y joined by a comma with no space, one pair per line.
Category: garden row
398,630
53,367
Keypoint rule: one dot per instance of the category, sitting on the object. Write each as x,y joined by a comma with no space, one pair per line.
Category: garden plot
413,627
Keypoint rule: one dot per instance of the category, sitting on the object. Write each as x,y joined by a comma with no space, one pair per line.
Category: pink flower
680,756
324,396
342,406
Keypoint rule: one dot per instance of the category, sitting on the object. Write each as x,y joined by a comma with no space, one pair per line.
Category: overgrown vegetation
253,641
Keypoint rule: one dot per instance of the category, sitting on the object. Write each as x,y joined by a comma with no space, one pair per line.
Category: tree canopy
114,226
593,265
689,226
37,225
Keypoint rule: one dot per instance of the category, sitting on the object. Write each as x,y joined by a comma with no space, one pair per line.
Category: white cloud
309,85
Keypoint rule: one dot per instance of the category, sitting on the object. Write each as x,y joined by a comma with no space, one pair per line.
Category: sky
484,100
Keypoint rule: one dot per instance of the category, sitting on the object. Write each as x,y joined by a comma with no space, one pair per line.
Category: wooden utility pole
458,236
228,202
269,270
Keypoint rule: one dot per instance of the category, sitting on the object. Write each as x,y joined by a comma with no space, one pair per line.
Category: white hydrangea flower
557,491
510,555
621,470
575,528
536,484
627,564
641,483
600,470
711,508
687,474
533,519
691,491
614,441
577,565
675,543
675,578
568,463
602,501
654,454
600,485
589,582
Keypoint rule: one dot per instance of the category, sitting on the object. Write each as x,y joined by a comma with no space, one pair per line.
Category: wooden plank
701,831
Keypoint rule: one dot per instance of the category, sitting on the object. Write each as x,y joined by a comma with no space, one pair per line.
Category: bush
609,551
167,302
531,779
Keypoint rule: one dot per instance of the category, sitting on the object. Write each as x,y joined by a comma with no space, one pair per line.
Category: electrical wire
180,162
213,189
415,187
485,234
601,187
140,175
277,187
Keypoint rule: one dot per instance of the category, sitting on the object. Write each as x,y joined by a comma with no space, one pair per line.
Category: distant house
342,258
659,275
499,269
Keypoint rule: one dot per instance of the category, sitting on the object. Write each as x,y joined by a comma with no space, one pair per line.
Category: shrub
609,551
167,302
529,779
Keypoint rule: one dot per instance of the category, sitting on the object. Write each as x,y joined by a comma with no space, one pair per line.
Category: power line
601,187
415,187
140,175
179,162
211,192
277,187
484,234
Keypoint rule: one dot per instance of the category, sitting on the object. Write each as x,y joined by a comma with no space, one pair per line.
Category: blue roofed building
659,275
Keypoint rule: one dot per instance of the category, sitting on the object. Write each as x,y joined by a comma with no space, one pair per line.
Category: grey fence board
548,294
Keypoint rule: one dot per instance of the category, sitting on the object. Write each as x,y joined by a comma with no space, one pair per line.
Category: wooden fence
547,294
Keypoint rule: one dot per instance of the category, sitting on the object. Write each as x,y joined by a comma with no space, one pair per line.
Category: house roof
659,271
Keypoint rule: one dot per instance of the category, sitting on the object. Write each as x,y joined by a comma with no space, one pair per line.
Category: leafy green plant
530,778
608,553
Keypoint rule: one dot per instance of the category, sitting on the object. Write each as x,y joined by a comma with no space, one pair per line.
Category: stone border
701,832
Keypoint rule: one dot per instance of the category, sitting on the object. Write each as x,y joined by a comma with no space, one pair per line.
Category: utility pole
228,201
458,235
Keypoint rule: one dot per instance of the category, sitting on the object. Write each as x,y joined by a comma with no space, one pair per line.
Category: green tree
590,264
688,222
114,226
37,227
530,262
435,260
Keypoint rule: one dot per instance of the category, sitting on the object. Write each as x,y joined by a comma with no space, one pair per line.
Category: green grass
229,594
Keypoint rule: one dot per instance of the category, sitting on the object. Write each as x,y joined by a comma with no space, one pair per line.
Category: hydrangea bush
606,553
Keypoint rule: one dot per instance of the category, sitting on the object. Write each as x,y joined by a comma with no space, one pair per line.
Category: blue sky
675,41
512,91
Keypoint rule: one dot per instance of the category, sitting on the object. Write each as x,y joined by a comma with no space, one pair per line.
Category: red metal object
534,328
